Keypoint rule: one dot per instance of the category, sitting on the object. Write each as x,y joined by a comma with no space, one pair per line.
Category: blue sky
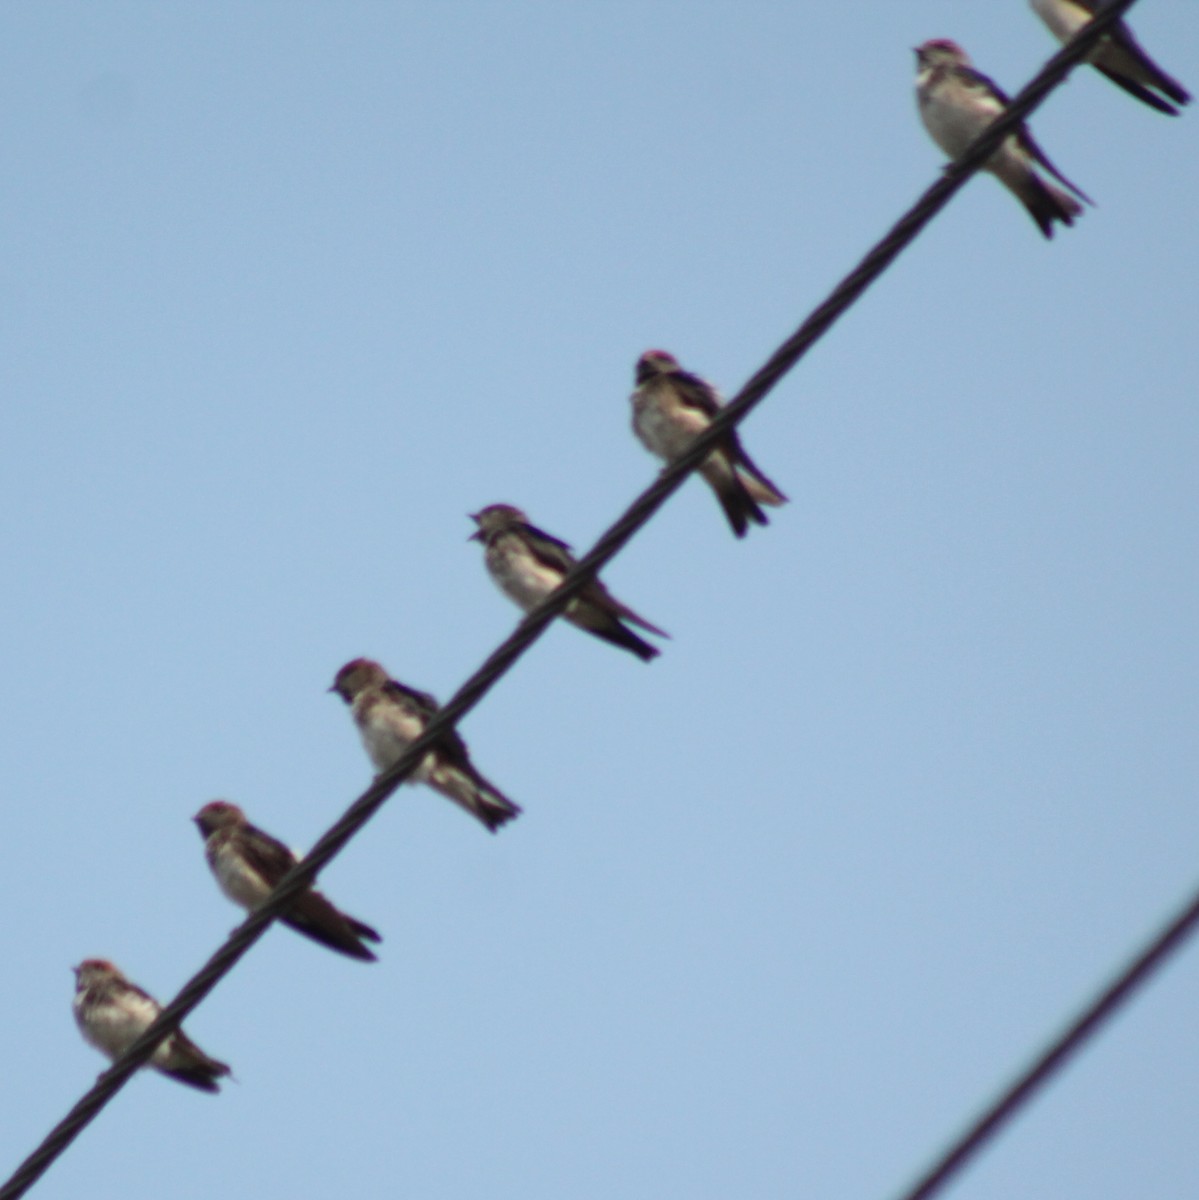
290,289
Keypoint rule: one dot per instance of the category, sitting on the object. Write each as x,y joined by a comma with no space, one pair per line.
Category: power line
843,296
1056,1054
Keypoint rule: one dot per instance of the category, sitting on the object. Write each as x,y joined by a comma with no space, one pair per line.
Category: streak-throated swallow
527,564
390,716
1118,54
957,103
248,864
670,407
113,1013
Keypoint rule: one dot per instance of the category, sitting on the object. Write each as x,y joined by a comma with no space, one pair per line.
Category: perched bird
113,1013
527,564
957,103
670,407
390,716
1118,55
248,864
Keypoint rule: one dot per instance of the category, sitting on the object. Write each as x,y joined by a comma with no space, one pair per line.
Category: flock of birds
671,407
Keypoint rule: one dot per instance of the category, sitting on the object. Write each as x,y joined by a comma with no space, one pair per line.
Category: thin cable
1055,1055
498,663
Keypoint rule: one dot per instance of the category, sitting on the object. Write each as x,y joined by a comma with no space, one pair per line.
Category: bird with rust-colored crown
957,103
113,1013
248,864
670,408
1118,54
390,716
527,564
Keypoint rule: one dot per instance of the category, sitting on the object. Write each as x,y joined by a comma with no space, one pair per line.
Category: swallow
670,407
248,865
113,1013
1118,54
390,716
957,103
527,564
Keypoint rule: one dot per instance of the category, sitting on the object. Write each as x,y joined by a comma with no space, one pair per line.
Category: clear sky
289,289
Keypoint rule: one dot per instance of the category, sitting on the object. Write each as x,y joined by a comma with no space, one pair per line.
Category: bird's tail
1126,64
756,482
735,498
198,1077
616,634
1045,202
193,1066
627,614
599,612
1145,96
464,785
316,918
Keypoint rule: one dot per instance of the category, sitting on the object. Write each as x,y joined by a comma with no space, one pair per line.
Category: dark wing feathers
696,393
420,700
196,1077
742,459
202,1072
1139,91
1027,140
986,82
268,856
552,551
451,743
599,595
313,915
1023,136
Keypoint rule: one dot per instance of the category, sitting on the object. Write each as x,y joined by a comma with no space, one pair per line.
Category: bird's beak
477,536
331,689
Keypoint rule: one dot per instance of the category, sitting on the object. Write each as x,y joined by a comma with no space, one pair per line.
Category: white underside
244,886
113,1027
520,576
1063,18
955,121
666,427
387,734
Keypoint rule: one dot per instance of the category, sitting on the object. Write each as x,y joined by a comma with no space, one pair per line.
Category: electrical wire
1055,1055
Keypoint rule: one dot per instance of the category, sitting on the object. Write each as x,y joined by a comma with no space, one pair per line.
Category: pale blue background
288,289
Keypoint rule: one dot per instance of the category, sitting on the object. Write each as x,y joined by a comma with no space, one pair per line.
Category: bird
957,103
113,1013
1118,54
527,564
390,716
248,865
670,407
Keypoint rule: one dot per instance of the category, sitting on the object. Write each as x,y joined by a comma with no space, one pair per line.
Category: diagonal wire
1056,1054
843,296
